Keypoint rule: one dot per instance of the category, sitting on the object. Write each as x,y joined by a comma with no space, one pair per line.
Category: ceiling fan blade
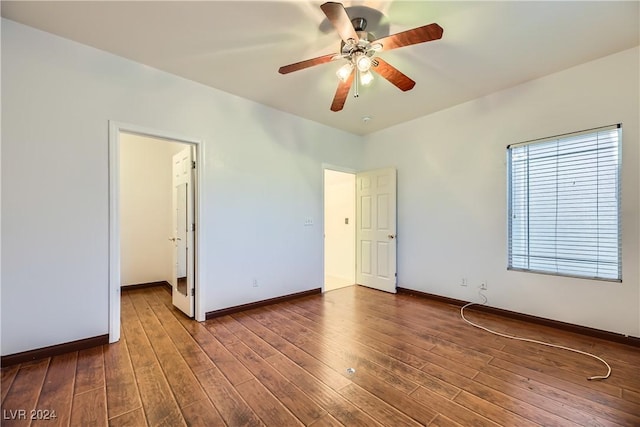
286,69
341,93
337,15
422,34
392,74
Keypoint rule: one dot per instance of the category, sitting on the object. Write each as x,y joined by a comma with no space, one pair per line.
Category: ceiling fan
360,53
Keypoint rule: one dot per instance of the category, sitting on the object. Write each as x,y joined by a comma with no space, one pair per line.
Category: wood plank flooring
415,361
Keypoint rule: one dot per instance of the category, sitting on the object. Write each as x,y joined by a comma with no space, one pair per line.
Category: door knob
392,236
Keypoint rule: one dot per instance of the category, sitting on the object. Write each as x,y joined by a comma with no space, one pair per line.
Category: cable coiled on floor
595,377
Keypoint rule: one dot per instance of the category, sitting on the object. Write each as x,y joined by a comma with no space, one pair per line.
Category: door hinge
193,164
193,227
193,291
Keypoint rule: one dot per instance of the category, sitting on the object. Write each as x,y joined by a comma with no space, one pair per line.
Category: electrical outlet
463,282
255,283
483,285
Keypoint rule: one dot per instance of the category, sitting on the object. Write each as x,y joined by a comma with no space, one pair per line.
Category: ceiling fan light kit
366,78
363,62
345,71
359,48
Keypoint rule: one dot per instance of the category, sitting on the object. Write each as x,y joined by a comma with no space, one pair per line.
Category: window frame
510,205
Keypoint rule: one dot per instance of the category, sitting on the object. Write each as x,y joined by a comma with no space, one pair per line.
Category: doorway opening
147,243
339,229
360,243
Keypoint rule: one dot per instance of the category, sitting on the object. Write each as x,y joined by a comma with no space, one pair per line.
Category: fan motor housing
359,24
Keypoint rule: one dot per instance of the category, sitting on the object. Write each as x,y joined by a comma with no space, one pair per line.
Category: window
564,205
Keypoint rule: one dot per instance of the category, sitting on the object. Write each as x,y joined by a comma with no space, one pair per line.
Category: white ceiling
238,46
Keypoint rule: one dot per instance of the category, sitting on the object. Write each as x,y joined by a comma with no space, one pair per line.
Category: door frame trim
115,129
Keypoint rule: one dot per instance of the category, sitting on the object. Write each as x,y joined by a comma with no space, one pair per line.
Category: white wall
263,176
262,172
146,220
452,193
339,241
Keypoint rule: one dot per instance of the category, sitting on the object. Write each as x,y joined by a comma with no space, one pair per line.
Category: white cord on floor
596,377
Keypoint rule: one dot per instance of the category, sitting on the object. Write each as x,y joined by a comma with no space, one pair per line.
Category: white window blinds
564,205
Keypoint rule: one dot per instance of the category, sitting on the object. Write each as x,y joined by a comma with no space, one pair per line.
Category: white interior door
376,229
183,294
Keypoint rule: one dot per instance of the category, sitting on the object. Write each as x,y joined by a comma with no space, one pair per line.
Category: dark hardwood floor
415,362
